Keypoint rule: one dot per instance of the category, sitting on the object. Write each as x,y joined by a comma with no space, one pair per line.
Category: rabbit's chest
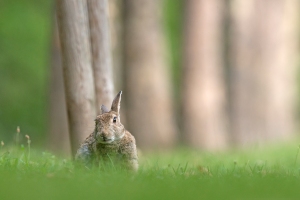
107,151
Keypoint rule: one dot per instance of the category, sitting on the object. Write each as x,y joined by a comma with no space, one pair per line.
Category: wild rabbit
109,141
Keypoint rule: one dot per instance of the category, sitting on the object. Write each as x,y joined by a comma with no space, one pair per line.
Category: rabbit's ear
104,109
115,106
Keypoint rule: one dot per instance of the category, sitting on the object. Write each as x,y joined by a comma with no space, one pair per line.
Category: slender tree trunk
204,88
116,29
77,68
59,141
150,114
263,53
101,52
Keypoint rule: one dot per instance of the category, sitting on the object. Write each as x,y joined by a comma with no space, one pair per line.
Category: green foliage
24,51
269,172
173,22
25,34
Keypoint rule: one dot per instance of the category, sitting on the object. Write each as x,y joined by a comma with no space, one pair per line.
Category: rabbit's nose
104,138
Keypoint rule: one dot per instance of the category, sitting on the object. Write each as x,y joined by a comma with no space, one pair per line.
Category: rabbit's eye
115,119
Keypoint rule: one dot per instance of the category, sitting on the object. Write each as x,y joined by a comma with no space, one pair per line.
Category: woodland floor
271,172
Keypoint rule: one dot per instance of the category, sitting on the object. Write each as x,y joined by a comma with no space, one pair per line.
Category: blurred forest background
209,74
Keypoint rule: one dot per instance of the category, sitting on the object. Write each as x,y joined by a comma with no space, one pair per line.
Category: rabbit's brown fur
109,141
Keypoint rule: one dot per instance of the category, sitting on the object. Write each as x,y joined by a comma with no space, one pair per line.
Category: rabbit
110,140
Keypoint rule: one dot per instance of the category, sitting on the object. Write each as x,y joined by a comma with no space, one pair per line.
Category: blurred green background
25,33
25,49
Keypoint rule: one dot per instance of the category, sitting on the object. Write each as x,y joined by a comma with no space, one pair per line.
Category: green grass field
271,172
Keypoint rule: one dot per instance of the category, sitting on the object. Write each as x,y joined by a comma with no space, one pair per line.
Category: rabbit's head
108,127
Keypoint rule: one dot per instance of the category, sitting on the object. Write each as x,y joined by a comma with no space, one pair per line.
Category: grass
272,172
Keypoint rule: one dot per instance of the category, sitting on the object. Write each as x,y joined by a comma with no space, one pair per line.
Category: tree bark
59,141
150,114
116,29
263,53
101,52
77,68
204,101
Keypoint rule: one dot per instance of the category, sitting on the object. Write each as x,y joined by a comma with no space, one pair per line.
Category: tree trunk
77,68
59,141
204,102
116,29
101,52
262,72
150,114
